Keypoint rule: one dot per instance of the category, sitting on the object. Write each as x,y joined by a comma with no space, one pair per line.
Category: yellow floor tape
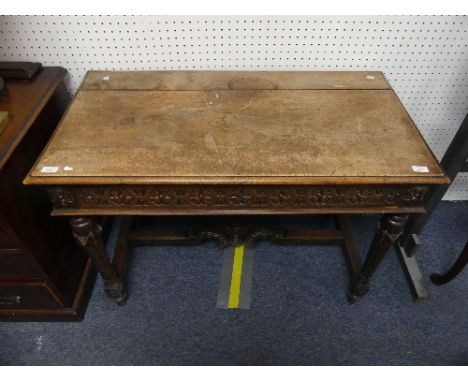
236,277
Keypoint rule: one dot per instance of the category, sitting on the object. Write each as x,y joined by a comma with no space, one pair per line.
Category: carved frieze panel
235,197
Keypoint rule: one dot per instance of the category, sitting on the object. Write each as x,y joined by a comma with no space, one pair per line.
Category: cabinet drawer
14,264
6,241
26,294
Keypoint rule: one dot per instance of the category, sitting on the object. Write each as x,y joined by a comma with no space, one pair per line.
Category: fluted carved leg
87,233
389,230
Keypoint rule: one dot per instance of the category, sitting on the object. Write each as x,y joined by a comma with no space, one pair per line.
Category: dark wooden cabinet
43,274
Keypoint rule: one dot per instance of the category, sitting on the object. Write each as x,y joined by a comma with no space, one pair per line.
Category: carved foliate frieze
235,197
62,197
235,234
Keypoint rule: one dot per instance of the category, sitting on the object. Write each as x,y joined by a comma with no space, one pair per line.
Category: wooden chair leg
440,279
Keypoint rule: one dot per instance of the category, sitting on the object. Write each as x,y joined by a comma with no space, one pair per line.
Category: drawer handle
10,300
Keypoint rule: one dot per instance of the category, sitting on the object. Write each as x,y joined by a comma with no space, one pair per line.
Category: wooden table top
237,128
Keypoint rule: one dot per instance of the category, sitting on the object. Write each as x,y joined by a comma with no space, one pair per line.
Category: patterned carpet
299,313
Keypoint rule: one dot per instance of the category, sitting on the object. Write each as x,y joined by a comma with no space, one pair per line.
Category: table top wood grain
236,128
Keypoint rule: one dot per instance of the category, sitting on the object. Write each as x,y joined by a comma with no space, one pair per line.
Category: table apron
73,200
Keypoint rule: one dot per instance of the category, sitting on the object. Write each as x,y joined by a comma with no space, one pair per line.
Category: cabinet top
216,127
24,100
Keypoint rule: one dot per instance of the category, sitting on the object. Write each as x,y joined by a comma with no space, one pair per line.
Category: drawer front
14,264
26,294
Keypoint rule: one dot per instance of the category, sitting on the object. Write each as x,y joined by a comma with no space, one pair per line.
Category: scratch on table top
210,143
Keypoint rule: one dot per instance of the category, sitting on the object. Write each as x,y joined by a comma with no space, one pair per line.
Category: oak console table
236,145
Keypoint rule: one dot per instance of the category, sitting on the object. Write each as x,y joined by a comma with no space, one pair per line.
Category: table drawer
26,294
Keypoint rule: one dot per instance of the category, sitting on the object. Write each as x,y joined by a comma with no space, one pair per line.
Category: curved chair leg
456,268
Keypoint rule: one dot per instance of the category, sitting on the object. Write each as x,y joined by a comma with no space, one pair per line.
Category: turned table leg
87,233
388,231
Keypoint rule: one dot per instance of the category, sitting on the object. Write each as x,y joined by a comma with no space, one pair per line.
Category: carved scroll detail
235,234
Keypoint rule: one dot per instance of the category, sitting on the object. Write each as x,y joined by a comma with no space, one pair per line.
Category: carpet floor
299,312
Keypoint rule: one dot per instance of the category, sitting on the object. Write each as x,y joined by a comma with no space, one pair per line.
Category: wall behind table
425,58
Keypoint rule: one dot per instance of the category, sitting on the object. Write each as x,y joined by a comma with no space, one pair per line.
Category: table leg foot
115,290
358,289
88,235
389,230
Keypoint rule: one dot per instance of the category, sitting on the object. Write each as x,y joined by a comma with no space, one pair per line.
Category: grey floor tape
246,284
225,279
